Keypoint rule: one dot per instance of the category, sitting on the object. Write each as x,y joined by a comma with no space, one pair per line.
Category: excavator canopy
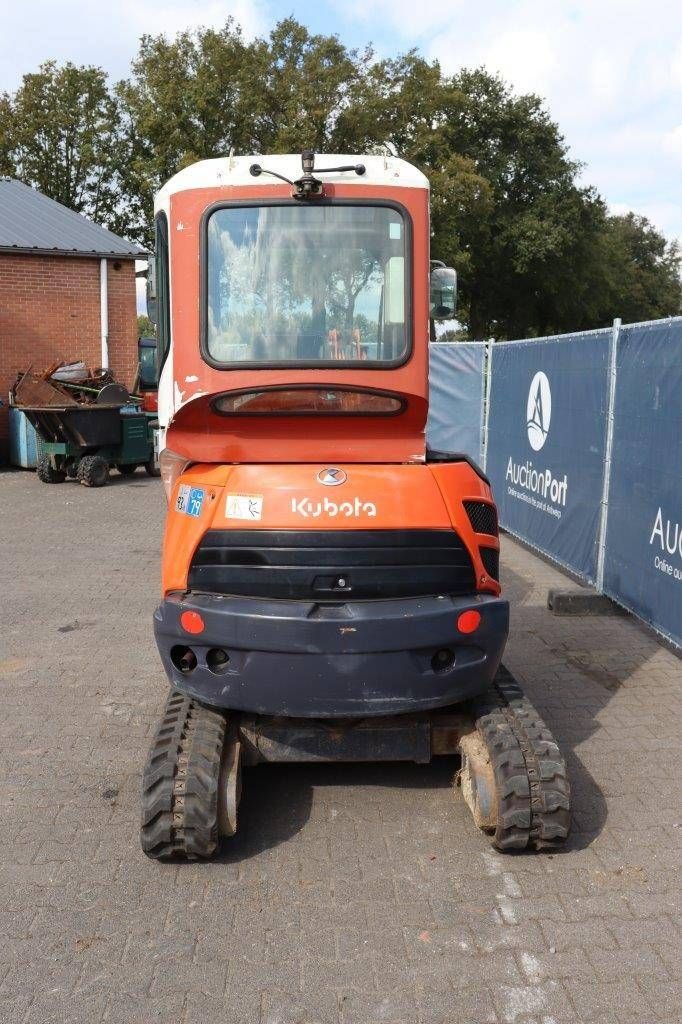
279,304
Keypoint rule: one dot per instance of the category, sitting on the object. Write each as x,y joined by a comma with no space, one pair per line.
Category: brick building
67,291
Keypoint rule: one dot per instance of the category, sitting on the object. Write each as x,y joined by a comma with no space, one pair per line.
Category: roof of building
30,222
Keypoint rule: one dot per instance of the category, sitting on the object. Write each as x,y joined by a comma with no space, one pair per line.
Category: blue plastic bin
22,440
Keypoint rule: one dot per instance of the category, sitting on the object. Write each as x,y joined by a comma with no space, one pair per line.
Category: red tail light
308,401
192,622
468,622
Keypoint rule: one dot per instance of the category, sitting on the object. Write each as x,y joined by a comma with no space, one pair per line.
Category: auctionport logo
538,487
666,535
538,410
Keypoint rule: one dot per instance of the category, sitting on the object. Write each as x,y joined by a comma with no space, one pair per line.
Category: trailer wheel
93,471
150,469
126,468
47,472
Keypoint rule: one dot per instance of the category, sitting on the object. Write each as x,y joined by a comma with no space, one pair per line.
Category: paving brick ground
354,894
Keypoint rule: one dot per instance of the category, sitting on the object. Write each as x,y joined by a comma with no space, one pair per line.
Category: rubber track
530,773
180,782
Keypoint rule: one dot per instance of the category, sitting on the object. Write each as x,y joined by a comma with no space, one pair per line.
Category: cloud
606,78
108,36
413,21
672,143
676,66
170,18
610,72
618,209
525,56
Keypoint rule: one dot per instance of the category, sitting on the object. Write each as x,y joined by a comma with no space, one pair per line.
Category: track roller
191,783
513,776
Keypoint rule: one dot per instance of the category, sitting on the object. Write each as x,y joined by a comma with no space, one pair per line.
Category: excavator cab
330,586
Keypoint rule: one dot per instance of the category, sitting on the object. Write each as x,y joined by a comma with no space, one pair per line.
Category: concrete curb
583,601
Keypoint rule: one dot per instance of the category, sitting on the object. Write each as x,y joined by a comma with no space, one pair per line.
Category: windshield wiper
256,170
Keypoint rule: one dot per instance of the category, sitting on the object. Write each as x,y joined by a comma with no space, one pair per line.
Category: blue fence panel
643,563
546,441
456,385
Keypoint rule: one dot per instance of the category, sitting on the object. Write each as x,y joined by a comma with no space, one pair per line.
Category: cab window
306,284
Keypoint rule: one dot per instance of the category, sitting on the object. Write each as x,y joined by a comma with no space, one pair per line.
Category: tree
306,83
531,219
404,105
187,99
145,328
642,272
208,92
59,133
535,251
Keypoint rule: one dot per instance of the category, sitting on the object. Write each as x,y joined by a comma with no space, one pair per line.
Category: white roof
234,170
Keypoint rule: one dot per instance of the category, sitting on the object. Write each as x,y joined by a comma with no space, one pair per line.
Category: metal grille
332,564
491,561
482,516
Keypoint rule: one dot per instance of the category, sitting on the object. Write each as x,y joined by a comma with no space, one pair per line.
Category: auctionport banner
546,441
456,382
643,565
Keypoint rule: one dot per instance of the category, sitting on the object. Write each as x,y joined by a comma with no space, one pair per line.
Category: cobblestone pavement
354,894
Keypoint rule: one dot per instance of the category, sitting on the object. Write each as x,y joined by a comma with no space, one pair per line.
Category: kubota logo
310,509
331,477
538,410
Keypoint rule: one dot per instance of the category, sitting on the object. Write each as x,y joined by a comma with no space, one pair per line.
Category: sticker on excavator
244,506
189,500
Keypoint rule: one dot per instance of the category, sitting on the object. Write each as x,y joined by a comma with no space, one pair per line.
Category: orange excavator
330,585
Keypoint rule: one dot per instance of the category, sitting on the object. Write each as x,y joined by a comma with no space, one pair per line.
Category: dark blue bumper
306,660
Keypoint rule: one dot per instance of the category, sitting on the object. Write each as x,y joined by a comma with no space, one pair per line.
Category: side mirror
151,292
443,302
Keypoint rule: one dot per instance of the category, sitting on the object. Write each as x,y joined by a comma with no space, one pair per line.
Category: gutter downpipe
104,312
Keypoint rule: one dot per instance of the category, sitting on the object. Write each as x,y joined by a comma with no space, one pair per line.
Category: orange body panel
202,435
289,497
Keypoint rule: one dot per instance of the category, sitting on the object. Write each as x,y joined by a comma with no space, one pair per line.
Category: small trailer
83,440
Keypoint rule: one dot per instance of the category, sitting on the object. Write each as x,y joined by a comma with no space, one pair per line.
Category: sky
610,71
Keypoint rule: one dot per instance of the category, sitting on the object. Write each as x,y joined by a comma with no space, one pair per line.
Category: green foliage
453,335
536,253
530,218
145,328
642,271
60,133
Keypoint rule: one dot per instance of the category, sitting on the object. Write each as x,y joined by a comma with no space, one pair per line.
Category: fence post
604,512
486,399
